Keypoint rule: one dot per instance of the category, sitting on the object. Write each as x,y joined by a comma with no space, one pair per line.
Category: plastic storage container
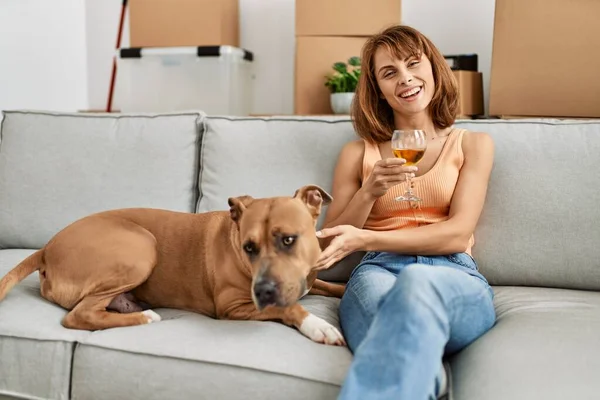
213,79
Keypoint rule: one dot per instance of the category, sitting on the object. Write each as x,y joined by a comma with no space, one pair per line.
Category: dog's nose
265,291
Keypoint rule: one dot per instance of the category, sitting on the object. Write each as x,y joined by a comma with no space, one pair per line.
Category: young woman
417,294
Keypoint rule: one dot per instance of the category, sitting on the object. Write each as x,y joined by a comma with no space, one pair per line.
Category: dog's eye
288,240
250,248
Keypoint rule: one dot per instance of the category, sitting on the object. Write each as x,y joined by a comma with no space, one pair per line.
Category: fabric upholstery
35,350
208,359
55,168
544,345
539,224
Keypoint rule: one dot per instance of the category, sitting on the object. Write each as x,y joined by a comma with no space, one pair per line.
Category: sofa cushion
540,199
35,350
55,168
265,157
272,156
539,224
210,359
544,346
188,351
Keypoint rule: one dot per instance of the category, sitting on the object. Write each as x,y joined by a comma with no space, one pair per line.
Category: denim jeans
401,315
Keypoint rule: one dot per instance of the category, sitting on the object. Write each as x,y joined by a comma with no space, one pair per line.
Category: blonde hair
372,116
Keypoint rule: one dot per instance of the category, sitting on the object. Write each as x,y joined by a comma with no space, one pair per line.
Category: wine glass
410,145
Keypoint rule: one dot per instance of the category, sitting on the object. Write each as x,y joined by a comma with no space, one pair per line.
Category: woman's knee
416,285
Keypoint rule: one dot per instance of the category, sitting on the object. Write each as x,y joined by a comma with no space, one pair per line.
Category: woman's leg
427,309
365,289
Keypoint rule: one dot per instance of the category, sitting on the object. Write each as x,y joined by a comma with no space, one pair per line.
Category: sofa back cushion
538,226
265,157
56,168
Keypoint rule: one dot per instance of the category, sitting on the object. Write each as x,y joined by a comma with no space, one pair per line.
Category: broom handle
114,64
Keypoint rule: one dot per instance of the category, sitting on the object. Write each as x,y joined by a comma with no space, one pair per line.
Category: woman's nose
404,77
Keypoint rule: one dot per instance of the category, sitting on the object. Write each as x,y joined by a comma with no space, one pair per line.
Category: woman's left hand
347,240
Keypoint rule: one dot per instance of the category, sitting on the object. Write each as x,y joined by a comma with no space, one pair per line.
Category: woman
417,294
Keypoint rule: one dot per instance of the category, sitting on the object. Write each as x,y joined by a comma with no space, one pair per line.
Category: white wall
86,32
42,54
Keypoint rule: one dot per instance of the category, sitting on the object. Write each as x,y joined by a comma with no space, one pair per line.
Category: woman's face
407,85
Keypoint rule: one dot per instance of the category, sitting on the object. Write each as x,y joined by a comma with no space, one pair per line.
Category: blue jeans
401,315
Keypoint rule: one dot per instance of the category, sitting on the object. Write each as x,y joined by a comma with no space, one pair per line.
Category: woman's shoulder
477,142
353,150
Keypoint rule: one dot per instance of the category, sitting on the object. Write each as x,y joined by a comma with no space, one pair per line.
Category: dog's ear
237,205
314,197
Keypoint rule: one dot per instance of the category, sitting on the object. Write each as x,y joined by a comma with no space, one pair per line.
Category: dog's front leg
311,326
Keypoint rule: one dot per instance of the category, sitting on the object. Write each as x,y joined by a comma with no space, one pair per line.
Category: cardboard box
345,17
314,59
545,59
470,89
166,23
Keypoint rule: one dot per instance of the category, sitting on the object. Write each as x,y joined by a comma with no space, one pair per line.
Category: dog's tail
20,272
328,289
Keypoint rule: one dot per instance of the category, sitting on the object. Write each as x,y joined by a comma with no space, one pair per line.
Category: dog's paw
321,331
151,316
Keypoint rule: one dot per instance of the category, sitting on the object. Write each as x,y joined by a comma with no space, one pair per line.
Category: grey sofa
537,242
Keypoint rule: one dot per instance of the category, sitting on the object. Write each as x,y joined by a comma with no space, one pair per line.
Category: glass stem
409,184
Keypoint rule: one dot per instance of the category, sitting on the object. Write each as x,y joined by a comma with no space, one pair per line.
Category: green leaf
340,67
354,61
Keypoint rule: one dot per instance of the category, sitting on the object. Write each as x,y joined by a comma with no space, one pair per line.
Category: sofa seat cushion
198,357
193,353
35,350
544,346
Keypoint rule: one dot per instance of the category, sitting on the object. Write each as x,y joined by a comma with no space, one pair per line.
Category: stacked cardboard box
470,84
546,59
167,23
327,32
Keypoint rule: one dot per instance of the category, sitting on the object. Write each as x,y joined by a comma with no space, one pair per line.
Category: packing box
315,56
546,59
166,23
470,89
345,17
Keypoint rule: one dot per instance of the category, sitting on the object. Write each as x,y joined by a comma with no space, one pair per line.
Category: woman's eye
412,64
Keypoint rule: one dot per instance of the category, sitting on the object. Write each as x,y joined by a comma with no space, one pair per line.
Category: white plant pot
340,102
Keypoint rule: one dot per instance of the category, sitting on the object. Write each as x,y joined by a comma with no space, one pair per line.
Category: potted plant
342,84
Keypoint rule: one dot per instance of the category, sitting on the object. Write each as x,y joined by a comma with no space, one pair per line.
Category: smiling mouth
411,94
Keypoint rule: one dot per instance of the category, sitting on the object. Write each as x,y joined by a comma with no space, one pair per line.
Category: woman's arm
353,200
351,204
450,236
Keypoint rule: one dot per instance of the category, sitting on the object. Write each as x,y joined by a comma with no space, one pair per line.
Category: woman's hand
386,173
347,239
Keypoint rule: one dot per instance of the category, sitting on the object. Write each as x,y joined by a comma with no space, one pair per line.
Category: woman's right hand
386,173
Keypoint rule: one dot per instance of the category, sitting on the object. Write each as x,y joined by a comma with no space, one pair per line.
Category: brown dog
253,262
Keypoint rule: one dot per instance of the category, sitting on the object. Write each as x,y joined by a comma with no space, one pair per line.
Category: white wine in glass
410,145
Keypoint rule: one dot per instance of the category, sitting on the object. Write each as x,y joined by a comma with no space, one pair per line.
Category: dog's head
278,238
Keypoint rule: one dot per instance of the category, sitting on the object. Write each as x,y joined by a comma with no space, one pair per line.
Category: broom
114,65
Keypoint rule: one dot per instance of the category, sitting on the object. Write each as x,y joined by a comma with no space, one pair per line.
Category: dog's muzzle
266,292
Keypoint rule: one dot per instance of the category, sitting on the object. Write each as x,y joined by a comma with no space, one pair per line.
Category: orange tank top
435,188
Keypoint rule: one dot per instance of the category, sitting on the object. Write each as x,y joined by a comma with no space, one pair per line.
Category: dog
253,262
